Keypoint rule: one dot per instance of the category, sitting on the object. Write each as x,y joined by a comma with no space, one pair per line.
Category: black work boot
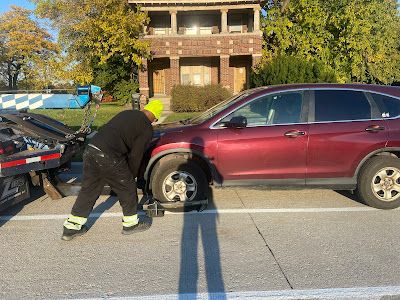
69,234
139,227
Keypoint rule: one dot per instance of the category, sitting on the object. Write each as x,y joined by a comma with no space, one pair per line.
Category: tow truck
35,148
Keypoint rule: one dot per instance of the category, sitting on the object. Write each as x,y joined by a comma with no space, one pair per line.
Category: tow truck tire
179,179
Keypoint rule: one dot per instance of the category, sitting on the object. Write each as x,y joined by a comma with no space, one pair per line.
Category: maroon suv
305,135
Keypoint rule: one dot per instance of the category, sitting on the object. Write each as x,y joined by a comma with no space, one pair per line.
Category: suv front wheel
179,179
379,182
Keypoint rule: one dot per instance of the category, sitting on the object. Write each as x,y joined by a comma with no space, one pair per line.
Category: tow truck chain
88,116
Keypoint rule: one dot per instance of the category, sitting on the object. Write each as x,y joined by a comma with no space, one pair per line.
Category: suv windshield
220,107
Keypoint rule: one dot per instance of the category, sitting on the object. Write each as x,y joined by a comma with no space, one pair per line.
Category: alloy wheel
386,184
179,186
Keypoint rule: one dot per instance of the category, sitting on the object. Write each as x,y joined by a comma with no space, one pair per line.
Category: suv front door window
275,109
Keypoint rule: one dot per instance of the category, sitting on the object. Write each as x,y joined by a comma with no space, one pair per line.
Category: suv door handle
294,133
374,128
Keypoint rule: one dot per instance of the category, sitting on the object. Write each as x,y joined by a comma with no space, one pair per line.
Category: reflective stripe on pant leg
129,221
74,222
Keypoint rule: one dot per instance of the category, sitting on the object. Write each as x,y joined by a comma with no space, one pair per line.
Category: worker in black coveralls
114,156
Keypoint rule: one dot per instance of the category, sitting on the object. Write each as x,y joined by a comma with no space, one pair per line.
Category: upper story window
198,24
159,24
341,105
236,23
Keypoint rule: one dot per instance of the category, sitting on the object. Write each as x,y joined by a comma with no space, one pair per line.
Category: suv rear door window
389,106
340,105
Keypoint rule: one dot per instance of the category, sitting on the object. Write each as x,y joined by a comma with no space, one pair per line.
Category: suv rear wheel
179,179
379,182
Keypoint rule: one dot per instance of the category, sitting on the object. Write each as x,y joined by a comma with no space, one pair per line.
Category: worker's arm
139,147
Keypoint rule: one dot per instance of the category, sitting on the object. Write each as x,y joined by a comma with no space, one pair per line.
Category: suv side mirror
237,122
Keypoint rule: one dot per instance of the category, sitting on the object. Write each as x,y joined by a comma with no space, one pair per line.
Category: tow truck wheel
179,180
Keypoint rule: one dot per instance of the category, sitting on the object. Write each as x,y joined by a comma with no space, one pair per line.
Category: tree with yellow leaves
23,44
96,30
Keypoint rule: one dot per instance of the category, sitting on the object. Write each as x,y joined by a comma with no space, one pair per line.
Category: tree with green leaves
291,69
96,31
359,39
24,46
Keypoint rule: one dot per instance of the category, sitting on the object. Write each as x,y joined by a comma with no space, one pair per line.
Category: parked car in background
305,135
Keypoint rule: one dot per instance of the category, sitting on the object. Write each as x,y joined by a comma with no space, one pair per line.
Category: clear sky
5,4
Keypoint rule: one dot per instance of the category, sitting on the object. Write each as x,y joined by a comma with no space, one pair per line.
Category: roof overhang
167,3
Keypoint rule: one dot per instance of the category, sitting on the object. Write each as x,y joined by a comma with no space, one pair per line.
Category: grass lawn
74,117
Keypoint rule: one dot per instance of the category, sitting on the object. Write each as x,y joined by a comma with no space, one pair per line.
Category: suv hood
169,127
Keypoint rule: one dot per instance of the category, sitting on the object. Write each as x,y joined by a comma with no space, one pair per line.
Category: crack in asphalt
266,244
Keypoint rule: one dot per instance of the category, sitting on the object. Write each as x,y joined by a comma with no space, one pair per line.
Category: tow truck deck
34,148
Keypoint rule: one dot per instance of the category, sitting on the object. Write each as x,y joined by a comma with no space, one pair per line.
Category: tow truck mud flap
13,190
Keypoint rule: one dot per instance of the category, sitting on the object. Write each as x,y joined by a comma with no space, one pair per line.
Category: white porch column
224,20
257,11
174,23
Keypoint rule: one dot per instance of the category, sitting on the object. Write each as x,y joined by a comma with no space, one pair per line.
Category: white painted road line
210,211
370,293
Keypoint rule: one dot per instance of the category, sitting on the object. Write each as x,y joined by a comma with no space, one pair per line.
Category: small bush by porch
189,98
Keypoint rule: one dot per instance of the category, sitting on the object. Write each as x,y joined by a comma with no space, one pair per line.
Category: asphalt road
311,244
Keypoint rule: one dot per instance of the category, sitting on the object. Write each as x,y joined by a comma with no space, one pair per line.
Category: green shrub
123,91
291,69
189,98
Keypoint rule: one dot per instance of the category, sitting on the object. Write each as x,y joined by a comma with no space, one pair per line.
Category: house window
235,24
196,75
191,30
160,24
161,31
205,30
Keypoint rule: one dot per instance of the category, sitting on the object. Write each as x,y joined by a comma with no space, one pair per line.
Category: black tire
373,174
178,166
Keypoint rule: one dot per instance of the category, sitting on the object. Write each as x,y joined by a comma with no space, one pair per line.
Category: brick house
200,42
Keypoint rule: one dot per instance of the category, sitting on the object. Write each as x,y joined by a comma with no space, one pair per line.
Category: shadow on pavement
99,210
201,227
7,214
351,195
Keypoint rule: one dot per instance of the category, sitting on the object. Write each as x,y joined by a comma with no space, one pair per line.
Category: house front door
159,82
240,78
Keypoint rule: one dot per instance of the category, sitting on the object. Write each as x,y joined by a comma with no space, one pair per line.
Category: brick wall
174,75
226,76
144,79
210,45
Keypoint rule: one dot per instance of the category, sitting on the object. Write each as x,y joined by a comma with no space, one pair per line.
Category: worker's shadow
201,226
100,209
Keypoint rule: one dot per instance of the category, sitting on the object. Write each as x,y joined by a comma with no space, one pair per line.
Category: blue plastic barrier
48,101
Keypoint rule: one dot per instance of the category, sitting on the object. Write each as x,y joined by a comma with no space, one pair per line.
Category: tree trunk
15,79
284,5
10,78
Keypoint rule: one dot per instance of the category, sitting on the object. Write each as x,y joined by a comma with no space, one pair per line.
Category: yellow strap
129,221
